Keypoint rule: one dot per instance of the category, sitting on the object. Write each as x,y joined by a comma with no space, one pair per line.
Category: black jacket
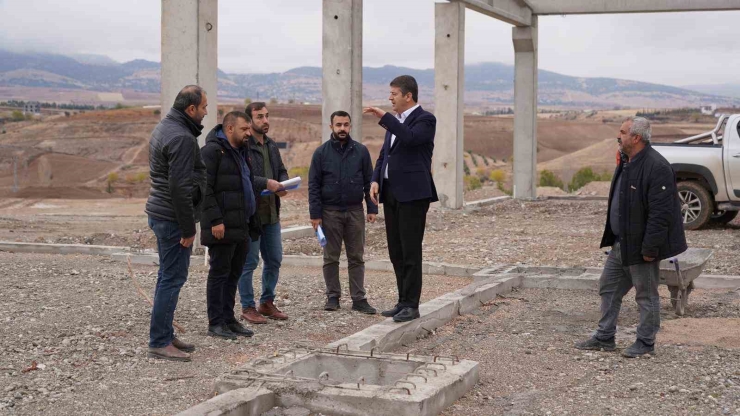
224,197
177,172
340,180
650,222
409,160
276,162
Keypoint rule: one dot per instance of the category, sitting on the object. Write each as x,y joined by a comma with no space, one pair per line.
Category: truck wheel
723,217
696,204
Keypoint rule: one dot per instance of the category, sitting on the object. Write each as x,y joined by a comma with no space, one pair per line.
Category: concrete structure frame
189,56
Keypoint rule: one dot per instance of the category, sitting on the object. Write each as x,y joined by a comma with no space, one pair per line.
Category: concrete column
449,87
342,63
190,53
525,111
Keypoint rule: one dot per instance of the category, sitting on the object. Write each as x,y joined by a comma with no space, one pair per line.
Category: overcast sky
276,35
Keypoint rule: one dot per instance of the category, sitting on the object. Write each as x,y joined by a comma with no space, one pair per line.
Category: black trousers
226,264
404,228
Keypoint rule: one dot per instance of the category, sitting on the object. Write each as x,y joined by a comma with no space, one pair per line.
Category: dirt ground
549,233
528,366
80,319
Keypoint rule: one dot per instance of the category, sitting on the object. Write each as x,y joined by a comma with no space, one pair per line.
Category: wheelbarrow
678,273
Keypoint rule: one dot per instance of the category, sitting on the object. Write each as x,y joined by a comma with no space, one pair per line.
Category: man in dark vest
269,171
225,225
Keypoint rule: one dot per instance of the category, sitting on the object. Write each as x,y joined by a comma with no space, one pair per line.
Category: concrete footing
44,248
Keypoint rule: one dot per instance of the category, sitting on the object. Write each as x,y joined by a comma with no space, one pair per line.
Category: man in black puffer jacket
339,180
643,227
178,179
225,226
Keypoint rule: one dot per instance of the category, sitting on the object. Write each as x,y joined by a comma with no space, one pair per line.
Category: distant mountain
486,84
728,90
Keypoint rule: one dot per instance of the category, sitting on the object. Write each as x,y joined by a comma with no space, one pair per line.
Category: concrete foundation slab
60,248
239,402
359,383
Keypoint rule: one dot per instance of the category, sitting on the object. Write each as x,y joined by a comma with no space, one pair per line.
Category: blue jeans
616,280
174,260
270,244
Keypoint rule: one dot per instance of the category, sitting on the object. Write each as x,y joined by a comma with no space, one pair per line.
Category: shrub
482,173
497,175
472,182
548,178
273,101
112,178
472,157
157,112
485,160
466,169
585,176
17,116
247,101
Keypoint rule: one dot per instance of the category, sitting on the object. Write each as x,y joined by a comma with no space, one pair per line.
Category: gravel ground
80,319
543,233
540,233
524,341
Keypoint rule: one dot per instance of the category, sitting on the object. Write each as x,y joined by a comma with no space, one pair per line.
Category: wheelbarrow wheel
674,295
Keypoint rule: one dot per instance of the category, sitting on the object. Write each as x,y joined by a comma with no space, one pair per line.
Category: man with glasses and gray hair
643,227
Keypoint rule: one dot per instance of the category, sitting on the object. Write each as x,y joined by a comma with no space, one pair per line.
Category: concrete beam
544,7
342,63
525,111
449,89
190,53
515,12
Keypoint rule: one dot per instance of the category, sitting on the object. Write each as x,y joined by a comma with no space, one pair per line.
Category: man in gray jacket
178,182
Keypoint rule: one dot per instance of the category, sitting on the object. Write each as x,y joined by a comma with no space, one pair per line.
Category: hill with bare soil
78,155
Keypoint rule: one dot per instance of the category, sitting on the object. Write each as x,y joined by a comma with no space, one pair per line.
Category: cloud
276,35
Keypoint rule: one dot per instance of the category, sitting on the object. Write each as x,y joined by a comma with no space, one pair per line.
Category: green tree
17,116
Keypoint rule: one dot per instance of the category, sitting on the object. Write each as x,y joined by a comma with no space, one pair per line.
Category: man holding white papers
268,171
338,181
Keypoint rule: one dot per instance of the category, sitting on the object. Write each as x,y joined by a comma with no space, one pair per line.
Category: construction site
510,275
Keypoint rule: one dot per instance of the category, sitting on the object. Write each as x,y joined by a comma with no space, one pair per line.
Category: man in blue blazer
402,182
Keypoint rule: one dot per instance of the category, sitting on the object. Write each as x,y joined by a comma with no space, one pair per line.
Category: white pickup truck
707,170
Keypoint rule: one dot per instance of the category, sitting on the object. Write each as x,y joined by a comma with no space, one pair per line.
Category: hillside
487,84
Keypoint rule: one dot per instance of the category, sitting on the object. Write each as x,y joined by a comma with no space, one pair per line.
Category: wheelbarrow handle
674,262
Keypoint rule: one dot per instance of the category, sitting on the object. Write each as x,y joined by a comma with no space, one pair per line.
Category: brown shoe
250,315
183,346
271,311
168,353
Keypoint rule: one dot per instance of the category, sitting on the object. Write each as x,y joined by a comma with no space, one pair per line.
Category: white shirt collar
406,113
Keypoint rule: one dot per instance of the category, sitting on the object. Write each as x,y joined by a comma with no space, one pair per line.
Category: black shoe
406,314
364,307
392,312
332,304
239,329
597,345
221,331
639,348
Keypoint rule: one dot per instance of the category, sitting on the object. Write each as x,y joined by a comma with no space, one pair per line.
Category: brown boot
271,311
183,346
168,353
250,315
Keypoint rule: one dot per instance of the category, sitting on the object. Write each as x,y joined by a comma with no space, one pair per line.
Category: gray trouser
615,282
347,226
